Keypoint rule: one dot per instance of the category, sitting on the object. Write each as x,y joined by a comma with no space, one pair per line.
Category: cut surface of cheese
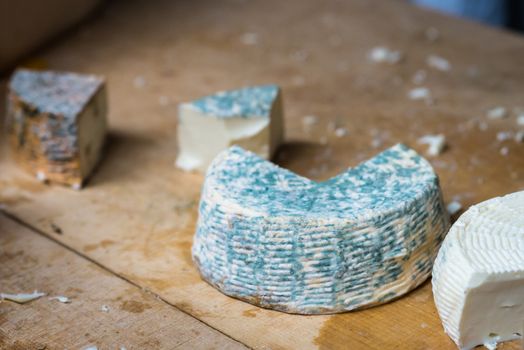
57,124
275,239
250,117
478,276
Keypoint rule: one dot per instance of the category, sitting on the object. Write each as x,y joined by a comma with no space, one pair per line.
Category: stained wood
137,215
135,320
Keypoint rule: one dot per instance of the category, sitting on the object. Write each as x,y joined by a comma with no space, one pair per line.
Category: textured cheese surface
250,117
278,240
57,123
478,277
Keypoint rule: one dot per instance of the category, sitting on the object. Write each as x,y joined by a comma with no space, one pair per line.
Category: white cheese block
478,276
250,117
275,239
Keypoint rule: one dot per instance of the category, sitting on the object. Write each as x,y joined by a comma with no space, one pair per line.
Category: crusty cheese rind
277,240
56,124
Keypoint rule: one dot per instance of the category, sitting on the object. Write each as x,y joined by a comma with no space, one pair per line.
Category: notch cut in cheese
478,277
275,239
250,117
57,124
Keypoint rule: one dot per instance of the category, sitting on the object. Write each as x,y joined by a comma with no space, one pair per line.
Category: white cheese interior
201,137
478,277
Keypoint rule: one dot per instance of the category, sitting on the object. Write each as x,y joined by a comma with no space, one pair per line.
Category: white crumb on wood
504,151
520,119
419,77
424,325
483,126
90,347
309,120
453,207
519,136
41,176
249,38
436,144
22,298
139,82
76,186
123,348
341,132
491,344
420,93
381,54
61,298
104,308
438,63
497,113
432,34
504,135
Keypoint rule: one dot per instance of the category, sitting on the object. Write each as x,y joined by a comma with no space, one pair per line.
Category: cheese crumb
519,136
309,120
436,144
22,298
41,176
438,63
62,299
420,93
520,119
139,82
341,132
104,308
249,38
497,113
454,207
504,135
419,77
381,54
432,34
504,151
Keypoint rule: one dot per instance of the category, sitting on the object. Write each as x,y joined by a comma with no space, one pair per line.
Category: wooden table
125,240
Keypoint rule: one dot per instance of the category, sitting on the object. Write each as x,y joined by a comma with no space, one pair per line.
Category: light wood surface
135,319
137,215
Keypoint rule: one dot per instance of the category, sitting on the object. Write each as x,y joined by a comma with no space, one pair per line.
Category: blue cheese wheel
249,117
57,124
277,240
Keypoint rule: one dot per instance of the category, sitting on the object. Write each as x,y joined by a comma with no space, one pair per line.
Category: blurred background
48,19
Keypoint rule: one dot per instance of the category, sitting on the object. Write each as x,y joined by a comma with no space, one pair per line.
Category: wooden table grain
136,218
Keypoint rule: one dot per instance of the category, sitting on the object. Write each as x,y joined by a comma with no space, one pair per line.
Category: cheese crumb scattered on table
436,144
520,119
381,54
139,82
454,207
504,135
419,77
22,298
438,63
341,132
519,136
420,93
61,298
249,38
504,151
309,120
432,34
497,113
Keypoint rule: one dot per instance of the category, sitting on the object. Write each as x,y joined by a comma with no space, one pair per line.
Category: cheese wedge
57,124
478,277
250,117
275,239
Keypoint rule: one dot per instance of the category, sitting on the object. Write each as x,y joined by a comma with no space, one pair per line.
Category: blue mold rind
280,241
